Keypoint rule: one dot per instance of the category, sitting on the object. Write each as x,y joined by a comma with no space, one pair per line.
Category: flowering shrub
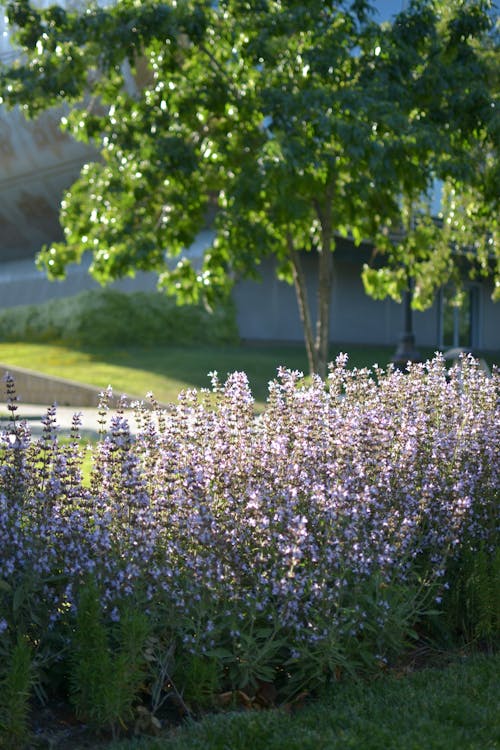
285,548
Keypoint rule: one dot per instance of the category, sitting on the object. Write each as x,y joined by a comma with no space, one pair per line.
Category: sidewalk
34,413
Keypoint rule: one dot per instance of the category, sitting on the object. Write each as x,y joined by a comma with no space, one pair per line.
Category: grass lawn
167,370
452,708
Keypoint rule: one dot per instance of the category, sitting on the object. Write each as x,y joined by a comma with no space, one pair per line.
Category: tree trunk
316,345
299,281
325,283
324,293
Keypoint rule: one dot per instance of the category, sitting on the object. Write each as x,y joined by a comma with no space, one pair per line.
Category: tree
452,137
290,123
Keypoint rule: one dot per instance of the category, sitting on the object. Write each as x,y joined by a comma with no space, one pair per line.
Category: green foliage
106,669
288,124
198,679
472,603
16,680
108,317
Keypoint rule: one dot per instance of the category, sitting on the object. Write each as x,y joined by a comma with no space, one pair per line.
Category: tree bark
317,338
299,281
325,283
325,273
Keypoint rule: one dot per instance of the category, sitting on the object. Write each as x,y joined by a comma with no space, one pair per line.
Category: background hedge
108,317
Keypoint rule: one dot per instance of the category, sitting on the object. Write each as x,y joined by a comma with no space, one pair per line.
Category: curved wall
37,164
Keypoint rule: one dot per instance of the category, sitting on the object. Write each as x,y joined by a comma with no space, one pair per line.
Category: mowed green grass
166,370
452,708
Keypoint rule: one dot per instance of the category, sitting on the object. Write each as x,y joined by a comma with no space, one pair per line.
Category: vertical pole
406,351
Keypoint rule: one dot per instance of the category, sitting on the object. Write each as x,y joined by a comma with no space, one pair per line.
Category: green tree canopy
448,130
286,124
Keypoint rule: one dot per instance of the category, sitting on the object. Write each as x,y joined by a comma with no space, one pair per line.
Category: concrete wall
22,284
33,388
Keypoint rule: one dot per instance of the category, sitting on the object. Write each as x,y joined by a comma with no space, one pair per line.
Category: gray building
268,310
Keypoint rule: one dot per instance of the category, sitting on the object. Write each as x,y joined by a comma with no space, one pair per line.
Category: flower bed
217,551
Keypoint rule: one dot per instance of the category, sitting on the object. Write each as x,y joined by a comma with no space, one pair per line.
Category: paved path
34,413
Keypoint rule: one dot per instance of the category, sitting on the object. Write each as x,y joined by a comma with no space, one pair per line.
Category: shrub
106,677
269,553
15,689
108,317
